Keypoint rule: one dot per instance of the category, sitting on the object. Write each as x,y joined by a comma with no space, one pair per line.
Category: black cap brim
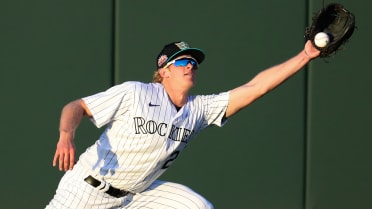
196,53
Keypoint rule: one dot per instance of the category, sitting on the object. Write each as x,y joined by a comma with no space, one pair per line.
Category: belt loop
106,186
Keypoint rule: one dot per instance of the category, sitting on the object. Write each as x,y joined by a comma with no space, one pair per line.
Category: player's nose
190,67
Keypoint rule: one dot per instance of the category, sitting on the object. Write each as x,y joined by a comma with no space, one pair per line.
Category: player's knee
180,196
196,201
205,204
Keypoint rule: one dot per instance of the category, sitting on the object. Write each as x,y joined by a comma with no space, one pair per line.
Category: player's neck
178,99
177,96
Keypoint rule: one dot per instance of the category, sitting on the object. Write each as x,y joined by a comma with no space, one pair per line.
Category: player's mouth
190,76
189,73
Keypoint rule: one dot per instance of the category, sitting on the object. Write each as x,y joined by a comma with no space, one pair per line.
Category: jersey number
170,160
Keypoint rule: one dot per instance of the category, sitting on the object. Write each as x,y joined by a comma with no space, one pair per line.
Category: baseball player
148,125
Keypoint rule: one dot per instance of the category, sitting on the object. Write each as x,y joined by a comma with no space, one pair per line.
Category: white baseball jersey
145,132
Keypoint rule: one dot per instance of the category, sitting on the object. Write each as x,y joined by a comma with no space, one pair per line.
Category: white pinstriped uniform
145,133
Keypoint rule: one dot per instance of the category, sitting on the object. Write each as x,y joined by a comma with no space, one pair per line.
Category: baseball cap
172,50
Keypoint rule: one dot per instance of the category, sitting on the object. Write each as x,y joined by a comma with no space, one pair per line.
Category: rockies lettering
180,134
142,126
149,127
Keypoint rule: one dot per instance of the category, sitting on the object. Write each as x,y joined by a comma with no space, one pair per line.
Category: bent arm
268,79
71,115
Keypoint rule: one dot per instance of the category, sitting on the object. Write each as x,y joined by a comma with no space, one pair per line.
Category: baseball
321,39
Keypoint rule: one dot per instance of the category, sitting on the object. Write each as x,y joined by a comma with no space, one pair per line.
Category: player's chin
189,79
190,84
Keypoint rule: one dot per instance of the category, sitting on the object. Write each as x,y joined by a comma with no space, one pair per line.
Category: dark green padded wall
303,146
52,52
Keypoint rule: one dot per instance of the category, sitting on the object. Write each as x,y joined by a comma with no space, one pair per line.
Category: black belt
111,191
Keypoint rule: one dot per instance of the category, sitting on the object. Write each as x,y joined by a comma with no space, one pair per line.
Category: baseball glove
337,22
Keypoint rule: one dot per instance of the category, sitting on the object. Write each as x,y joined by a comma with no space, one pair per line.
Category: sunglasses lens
185,62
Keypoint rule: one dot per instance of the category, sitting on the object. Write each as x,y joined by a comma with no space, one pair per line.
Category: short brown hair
156,78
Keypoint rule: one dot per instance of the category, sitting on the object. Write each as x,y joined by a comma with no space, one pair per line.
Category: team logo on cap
162,59
182,45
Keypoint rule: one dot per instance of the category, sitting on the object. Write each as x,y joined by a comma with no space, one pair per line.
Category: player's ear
164,72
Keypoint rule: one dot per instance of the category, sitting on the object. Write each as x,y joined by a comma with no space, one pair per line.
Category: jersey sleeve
107,105
215,108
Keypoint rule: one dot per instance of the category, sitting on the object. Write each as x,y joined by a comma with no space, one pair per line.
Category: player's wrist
66,134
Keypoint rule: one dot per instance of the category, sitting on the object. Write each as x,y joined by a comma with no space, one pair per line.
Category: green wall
303,146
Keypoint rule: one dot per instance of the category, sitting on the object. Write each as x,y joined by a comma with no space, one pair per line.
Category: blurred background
305,145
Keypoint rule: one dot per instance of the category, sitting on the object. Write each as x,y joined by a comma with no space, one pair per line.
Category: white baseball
321,39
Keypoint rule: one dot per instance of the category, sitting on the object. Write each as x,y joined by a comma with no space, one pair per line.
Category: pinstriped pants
74,193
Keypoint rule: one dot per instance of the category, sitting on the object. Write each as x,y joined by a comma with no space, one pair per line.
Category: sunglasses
183,62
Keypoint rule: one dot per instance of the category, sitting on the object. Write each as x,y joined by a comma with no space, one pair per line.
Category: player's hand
310,50
65,152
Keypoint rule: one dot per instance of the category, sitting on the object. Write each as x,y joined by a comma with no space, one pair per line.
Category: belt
112,191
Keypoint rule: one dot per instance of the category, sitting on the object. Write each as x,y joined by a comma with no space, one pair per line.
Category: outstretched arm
71,115
269,79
